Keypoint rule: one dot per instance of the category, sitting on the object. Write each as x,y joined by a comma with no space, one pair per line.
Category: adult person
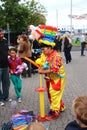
55,83
4,72
83,43
24,50
35,54
28,34
67,48
52,67
58,41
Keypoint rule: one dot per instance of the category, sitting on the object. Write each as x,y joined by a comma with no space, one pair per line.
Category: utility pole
71,16
57,17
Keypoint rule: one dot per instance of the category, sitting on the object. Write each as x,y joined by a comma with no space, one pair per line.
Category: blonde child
36,126
80,111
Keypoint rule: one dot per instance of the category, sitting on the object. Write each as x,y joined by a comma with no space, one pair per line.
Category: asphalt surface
76,84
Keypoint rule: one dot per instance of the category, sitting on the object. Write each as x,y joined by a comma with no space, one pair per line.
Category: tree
38,13
20,15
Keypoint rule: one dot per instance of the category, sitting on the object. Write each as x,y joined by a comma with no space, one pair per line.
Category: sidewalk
76,84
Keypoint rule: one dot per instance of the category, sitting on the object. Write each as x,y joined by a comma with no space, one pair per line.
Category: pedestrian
79,107
67,48
83,44
15,69
4,72
25,50
52,67
28,34
58,41
35,47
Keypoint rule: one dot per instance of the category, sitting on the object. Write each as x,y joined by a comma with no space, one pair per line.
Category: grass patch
76,43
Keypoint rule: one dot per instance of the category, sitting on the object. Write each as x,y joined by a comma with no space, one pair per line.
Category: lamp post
8,33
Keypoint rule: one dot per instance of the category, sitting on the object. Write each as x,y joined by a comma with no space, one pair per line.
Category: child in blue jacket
80,111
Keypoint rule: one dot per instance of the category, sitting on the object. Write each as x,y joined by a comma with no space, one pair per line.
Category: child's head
36,126
80,109
12,51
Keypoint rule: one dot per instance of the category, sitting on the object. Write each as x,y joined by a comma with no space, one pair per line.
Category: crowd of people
51,65
16,58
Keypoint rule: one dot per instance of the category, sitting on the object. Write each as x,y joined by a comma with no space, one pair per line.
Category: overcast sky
58,11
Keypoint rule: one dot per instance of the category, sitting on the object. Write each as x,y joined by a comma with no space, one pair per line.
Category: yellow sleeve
40,61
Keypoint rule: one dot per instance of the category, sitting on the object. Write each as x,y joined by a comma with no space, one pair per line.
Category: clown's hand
40,71
60,75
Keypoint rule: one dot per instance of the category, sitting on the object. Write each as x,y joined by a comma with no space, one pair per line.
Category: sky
58,11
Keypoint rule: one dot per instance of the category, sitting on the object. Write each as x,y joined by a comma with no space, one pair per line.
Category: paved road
76,84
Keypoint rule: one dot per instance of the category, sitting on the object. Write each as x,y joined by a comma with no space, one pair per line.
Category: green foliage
19,16
37,13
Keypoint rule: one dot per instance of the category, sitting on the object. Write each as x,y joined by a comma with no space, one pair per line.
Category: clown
52,67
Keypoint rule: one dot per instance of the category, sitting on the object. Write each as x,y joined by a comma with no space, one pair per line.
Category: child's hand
21,70
11,71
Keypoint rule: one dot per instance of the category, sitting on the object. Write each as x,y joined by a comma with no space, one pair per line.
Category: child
36,126
15,75
80,111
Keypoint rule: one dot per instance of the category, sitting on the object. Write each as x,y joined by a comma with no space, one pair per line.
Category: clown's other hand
40,71
43,71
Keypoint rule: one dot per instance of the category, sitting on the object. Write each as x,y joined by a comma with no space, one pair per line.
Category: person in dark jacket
58,41
80,111
67,48
83,44
4,72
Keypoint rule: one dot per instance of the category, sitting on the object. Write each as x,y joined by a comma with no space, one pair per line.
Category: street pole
71,16
57,18
8,33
